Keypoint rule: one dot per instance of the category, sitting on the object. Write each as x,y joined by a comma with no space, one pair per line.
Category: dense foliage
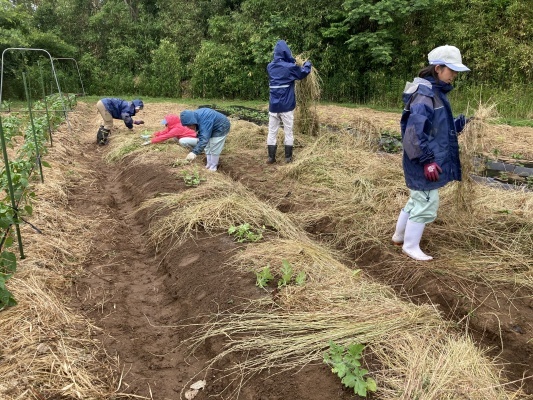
364,49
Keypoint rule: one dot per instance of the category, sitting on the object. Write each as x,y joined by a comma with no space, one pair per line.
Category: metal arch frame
53,71
73,59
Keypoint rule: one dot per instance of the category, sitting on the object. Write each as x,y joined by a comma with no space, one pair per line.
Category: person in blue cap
212,129
113,108
430,145
282,74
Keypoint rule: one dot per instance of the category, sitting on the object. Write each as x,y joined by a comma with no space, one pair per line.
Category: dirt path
138,297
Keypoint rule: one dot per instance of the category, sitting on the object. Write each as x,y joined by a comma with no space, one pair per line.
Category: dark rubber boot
102,136
288,154
272,153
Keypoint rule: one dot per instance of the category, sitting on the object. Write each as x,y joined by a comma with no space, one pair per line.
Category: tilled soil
145,300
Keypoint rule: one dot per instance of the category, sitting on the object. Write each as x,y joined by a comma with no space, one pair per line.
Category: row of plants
345,361
24,138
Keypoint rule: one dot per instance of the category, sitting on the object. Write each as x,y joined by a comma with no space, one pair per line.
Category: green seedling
345,362
286,274
192,179
263,277
244,233
300,278
503,176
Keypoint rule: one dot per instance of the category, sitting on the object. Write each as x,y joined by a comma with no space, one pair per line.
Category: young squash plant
192,179
244,233
345,362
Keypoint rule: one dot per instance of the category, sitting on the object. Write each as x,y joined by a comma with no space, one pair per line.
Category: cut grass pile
48,350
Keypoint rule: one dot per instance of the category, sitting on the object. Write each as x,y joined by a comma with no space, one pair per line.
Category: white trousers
274,121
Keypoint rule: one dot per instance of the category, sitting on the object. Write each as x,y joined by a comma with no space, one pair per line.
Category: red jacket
174,129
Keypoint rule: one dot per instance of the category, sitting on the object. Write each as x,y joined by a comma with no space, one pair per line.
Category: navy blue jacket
121,109
429,133
210,124
282,74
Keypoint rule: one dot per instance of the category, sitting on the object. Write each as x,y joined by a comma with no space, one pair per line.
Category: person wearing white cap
430,146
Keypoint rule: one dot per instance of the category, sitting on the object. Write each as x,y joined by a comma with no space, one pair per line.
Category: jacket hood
172,120
282,52
188,118
420,85
137,103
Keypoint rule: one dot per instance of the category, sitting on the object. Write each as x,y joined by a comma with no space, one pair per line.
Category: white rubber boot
397,238
214,163
411,242
209,161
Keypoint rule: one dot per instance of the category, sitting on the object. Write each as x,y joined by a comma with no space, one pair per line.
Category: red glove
431,171
138,122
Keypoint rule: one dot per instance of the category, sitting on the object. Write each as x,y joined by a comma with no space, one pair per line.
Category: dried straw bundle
471,146
307,96
213,206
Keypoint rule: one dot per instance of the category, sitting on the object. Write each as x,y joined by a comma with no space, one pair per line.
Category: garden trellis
20,161
77,69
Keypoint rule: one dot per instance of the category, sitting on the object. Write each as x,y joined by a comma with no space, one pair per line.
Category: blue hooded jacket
121,109
429,133
282,74
210,124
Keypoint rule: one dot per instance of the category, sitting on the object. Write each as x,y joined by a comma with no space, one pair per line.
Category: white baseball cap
449,56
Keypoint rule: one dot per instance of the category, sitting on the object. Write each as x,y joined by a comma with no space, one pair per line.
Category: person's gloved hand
146,143
140,122
191,156
431,171
307,64
469,119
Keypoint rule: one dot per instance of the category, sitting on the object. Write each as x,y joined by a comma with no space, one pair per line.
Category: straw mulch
416,354
214,206
292,328
47,350
480,230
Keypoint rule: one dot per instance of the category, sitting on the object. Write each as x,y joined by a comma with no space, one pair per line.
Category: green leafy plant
286,274
517,156
244,233
390,142
8,266
345,362
529,182
192,178
300,278
263,277
503,176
